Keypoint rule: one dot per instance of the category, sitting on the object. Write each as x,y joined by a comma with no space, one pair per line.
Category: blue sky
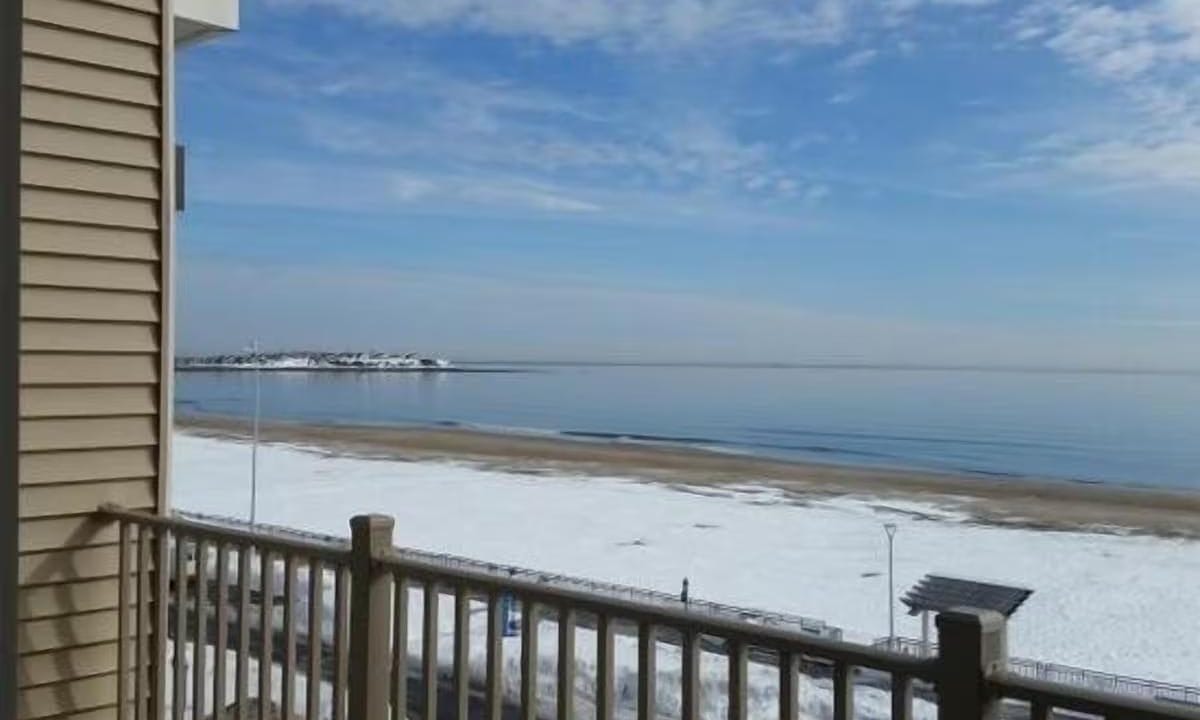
933,181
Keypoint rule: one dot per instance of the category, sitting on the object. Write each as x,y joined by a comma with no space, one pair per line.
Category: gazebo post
924,633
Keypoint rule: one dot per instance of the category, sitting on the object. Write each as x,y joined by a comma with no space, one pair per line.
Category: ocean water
1126,428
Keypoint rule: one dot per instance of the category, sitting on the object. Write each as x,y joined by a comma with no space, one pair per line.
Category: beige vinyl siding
46,602
54,500
86,465
95,242
52,42
65,304
91,334
88,144
94,17
70,401
81,369
89,113
61,532
97,337
89,176
101,274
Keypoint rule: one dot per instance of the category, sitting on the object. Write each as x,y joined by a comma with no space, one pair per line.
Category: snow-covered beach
747,544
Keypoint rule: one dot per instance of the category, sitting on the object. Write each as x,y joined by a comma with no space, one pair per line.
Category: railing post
370,626
972,645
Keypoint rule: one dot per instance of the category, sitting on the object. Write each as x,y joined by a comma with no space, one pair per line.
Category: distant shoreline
371,370
1021,502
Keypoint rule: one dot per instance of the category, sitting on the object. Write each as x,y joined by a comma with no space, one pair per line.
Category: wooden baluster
737,679
245,554
462,648
222,632
529,659
566,663
288,698
266,631
200,647
647,671
495,656
605,670
179,699
162,602
429,653
341,642
123,629
141,659
901,697
1040,710
399,647
316,621
843,691
789,670
689,705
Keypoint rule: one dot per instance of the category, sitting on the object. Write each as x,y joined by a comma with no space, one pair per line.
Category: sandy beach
1021,502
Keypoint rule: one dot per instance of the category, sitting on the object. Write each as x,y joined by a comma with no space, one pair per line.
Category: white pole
254,444
890,529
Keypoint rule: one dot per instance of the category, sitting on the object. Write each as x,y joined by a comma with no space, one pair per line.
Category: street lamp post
254,443
890,529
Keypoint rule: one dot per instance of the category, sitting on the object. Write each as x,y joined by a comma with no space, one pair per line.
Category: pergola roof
936,593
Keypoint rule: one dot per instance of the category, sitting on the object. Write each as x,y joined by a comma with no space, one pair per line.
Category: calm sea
1135,429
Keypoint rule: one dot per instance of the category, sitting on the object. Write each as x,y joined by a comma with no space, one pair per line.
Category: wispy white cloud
1147,56
843,97
634,24
858,59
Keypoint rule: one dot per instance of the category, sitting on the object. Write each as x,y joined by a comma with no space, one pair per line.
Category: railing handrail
970,673
1085,700
332,552
606,589
753,634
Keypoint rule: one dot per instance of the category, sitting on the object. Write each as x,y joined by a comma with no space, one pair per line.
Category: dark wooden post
370,621
972,645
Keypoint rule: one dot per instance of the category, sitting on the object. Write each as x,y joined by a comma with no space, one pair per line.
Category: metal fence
1068,675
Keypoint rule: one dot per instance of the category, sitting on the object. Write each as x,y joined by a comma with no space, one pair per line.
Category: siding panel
101,337
57,369
92,284
49,500
95,17
109,52
102,274
41,204
61,566
89,81
88,176
89,145
88,401
51,533
87,434
66,697
47,303
89,113
81,466
57,600
59,665
48,237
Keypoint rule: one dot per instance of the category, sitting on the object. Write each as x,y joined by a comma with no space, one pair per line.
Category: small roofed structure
937,593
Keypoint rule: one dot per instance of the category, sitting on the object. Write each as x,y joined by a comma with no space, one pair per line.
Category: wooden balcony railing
232,621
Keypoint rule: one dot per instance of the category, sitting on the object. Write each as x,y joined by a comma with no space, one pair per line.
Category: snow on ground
1123,604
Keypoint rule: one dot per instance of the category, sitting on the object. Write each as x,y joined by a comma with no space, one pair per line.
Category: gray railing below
1094,680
